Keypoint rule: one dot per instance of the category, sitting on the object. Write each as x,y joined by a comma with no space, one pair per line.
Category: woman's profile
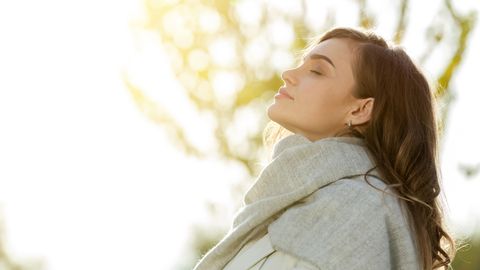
353,180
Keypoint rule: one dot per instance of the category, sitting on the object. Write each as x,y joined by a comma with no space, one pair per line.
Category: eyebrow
316,56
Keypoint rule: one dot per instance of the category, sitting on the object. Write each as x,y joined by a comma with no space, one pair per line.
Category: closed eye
316,72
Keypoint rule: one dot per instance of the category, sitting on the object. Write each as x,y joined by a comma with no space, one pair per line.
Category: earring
349,123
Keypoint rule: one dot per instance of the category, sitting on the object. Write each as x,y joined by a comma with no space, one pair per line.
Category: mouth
284,92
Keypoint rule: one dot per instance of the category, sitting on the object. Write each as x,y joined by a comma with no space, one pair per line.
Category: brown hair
401,135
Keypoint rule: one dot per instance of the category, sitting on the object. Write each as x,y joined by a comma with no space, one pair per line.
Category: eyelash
316,72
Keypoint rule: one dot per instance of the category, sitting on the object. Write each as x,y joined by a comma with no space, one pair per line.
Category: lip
284,92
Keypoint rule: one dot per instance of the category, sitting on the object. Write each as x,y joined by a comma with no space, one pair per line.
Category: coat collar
299,165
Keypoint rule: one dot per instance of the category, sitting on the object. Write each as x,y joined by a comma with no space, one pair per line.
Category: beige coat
316,206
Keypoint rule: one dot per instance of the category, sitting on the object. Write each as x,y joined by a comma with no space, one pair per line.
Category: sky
88,182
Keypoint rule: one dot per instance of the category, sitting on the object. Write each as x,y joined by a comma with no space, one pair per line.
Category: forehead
340,51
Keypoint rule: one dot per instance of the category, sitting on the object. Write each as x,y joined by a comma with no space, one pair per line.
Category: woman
354,184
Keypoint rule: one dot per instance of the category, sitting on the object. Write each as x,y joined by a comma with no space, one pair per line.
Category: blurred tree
228,56
213,49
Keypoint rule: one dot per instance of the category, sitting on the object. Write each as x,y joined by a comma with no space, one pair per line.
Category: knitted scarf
308,200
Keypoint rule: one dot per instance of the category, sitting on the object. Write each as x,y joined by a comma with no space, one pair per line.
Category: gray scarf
307,213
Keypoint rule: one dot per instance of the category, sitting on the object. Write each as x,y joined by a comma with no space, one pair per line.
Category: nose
287,77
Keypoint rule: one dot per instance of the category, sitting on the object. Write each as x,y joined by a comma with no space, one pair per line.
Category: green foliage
191,30
468,257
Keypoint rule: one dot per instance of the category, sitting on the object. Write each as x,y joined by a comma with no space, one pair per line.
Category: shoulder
355,193
346,203
348,224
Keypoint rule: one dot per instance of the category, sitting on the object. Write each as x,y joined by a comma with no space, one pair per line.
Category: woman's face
321,102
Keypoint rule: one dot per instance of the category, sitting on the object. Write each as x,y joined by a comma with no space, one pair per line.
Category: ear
362,111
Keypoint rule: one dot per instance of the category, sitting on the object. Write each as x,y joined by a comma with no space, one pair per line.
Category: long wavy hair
401,135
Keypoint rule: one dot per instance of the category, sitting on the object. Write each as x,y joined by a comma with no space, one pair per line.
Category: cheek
320,100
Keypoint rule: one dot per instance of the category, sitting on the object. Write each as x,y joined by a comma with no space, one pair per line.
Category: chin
279,118
273,113
269,112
